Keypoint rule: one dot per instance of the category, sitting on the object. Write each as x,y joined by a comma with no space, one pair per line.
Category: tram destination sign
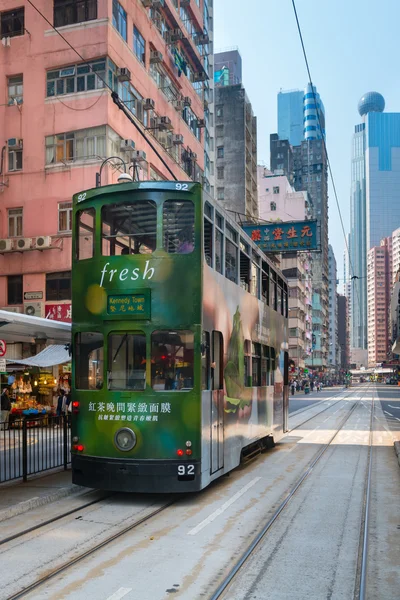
293,236
129,305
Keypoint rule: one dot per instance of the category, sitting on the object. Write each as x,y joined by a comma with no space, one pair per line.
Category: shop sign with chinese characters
58,312
293,236
130,411
134,305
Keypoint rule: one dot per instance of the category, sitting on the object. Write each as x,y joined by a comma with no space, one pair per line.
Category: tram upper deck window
208,241
85,238
172,356
89,361
126,361
255,277
129,228
245,266
272,289
178,227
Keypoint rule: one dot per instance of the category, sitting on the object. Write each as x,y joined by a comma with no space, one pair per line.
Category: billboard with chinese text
293,236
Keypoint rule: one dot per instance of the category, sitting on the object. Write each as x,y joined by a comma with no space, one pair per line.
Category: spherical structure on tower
371,102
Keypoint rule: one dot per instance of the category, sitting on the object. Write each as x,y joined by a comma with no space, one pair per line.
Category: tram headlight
125,439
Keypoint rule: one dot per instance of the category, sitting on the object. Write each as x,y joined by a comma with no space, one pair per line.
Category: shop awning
16,327
49,357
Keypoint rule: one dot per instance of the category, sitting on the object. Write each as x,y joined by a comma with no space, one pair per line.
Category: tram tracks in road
360,587
74,561
54,519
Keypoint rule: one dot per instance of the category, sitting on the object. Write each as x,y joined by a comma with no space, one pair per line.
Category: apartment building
278,201
378,301
131,80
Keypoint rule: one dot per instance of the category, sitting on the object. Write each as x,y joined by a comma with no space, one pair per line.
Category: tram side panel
235,411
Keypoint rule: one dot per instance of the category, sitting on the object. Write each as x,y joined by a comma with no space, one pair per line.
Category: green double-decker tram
179,340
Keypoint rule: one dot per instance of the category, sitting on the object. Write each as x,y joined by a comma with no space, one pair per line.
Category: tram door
217,402
286,392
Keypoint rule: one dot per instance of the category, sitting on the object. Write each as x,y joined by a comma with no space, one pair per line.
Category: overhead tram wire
116,99
354,277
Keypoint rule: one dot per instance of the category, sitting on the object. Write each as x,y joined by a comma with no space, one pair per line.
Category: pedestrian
293,387
5,409
318,386
312,386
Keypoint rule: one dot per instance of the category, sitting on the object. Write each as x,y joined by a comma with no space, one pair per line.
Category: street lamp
123,178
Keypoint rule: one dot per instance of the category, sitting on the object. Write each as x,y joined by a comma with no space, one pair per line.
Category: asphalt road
389,396
301,400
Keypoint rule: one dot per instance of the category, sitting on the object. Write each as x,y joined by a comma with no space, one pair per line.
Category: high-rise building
374,197
236,150
305,165
314,114
395,255
279,201
301,115
227,67
156,63
290,116
333,315
379,282
343,332
311,174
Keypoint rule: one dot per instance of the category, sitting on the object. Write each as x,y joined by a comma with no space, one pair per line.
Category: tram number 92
186,472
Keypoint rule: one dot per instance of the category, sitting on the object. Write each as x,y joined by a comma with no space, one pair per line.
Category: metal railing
32,444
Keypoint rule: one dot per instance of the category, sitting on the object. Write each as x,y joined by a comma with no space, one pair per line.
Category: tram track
360,587
74,561
67,513
320,412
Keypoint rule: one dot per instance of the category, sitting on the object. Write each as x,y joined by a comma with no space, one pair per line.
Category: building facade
290,116
227,67
155,60
333,312
311,174
343,333
374,198
278,201
236,151
314,114
379,283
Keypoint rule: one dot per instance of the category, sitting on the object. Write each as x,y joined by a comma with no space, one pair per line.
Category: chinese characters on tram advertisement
284,237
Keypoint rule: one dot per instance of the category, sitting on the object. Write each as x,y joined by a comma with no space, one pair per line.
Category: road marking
120,593
397,418
388,413
396,407
223,508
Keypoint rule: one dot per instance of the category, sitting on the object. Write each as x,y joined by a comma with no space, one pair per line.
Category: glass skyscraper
375,206
297,116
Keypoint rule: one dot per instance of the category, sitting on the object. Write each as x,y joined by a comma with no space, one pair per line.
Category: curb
397,450
37,501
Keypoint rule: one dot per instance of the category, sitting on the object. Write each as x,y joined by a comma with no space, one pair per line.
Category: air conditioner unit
22,243
192,155
124,74
6,245
139,156
155,57
201,39
149,104
43,241
200,76
127,145
175,35
178,104
14,143
33,309
201,123
187,101
177,140
164,124
14,309
6,41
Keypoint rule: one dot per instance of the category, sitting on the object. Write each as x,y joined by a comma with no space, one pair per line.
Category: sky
352,49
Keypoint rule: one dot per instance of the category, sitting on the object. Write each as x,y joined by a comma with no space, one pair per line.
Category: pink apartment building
59,121
379,283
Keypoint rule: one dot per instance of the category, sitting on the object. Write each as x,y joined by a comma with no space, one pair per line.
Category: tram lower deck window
172,355
127,361
89,361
